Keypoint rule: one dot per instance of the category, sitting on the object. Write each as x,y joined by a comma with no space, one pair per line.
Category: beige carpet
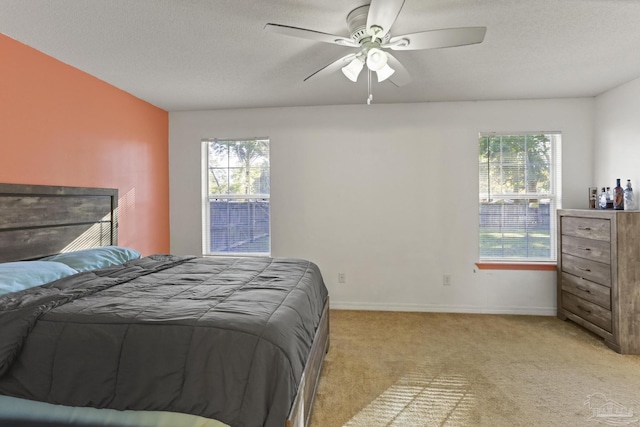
435,369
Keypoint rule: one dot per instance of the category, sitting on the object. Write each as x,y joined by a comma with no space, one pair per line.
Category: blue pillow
92,259
17,276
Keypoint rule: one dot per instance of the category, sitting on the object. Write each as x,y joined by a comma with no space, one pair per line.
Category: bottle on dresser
602,199
618,196
629,199
609,198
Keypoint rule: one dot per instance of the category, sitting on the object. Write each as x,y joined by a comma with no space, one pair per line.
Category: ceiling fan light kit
369,27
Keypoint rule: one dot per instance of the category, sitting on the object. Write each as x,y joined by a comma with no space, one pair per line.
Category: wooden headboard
41,220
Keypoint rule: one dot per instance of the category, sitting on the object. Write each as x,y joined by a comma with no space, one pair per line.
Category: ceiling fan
369,28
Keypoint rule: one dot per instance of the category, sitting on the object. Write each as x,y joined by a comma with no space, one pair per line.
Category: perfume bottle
618,196
602,199
609,199
629,199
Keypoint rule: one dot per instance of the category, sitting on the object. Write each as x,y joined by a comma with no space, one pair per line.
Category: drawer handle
584,269
580,288
584,309
584,228
584,249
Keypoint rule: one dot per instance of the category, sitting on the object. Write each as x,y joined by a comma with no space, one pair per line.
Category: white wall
387,194
617,137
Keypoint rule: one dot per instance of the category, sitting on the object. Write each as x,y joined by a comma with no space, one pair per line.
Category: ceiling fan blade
436,39
383,13
333,67
310,34
401,76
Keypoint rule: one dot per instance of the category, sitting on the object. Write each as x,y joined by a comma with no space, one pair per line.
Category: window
519,195
236,212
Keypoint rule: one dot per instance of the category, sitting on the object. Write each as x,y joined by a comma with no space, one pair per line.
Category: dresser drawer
595,250
588,311
590,228
589,291
591,270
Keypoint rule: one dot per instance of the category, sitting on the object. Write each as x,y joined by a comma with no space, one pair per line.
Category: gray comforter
224,338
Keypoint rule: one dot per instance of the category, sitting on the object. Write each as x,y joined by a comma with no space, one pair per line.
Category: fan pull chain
370,97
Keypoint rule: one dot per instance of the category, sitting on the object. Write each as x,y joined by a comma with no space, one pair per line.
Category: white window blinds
519,194
237,193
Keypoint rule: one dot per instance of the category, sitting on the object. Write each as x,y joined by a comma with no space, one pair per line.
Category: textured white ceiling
214,54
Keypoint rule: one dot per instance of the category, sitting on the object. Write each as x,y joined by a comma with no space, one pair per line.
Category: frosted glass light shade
384,73
376,59
353,69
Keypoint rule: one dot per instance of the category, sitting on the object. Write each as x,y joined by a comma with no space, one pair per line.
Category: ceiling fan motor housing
357,25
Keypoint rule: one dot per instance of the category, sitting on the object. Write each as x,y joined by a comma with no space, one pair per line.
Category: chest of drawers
599,274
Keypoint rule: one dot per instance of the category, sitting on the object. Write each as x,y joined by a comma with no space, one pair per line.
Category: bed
213,341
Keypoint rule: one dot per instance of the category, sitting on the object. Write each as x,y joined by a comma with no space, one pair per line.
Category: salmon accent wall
62,126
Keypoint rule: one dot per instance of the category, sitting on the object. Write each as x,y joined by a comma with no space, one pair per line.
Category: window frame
555,202
207,197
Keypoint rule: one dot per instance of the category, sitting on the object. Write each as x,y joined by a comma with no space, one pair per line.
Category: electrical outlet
342,278
446,280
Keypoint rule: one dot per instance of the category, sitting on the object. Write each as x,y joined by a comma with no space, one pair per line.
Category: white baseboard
374,306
